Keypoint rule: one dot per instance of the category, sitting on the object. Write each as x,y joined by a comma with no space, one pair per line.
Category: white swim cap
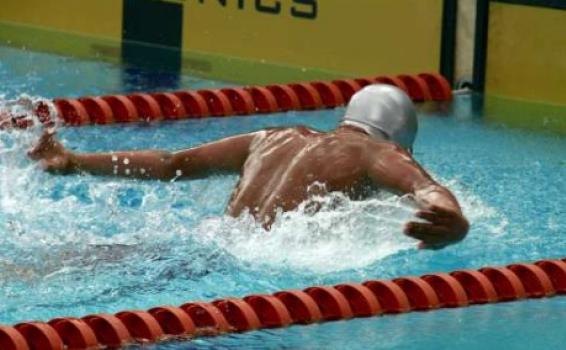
384,111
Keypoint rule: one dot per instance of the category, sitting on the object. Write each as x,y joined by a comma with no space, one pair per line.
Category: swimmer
370,149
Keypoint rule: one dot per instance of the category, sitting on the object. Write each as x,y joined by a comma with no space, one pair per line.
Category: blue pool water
75,245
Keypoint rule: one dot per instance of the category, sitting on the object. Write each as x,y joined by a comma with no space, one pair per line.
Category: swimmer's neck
350,129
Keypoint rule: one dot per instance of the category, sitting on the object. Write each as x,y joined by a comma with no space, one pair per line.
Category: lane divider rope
462,288
176,105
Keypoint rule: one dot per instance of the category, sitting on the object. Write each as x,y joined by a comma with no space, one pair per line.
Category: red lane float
239,314
271,311
122,108
556,271
195,105
287,99
301,306
146,106
75,333
12,339
477,286
449,291
241,101
418,88
361,299
142,325
109,330
390,296
315,304
207,318
174,321
439,87
333,304
40,336
274,98
329,93
263,99
420,294
171,106
218,104
395,81
347,88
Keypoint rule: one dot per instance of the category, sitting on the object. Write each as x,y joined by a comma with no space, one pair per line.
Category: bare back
284,164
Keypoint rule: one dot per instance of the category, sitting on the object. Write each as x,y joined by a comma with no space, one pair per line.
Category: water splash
344,234
89,244
73,217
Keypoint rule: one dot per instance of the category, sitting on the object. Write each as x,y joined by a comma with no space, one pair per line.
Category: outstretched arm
227,155
396,170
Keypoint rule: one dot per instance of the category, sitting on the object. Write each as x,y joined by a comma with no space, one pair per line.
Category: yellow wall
362,37
81,28
347,38
99,18
527,53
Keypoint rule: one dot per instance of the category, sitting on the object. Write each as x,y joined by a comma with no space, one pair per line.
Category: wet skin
278,168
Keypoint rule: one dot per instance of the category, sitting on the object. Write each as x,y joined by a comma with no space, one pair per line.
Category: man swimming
371,148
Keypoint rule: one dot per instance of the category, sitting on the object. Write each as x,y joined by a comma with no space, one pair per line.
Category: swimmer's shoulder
297,128
278,134
288,131
384,150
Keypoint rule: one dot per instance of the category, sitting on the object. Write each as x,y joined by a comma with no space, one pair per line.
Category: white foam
343,234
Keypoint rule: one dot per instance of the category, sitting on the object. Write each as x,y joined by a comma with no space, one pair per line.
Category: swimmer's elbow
184,164
166,169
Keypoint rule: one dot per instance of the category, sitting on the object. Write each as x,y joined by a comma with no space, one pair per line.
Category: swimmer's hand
51,154
444,227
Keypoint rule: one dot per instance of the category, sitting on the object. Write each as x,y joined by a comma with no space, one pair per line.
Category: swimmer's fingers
41,146
426,231
432,217
435,236
45,145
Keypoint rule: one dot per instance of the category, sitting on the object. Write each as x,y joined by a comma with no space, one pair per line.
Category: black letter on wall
275,9
310,13
222,2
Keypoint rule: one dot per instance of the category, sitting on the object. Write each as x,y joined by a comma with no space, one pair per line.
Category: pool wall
286,40
519,60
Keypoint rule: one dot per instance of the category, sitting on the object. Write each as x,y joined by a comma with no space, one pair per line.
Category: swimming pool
78,245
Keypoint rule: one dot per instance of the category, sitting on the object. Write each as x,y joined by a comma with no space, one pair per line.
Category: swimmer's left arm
228,154
396,170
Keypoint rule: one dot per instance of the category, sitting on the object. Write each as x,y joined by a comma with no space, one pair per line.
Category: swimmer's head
383,111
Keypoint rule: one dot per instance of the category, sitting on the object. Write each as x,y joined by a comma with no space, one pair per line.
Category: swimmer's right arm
227,155
445,224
